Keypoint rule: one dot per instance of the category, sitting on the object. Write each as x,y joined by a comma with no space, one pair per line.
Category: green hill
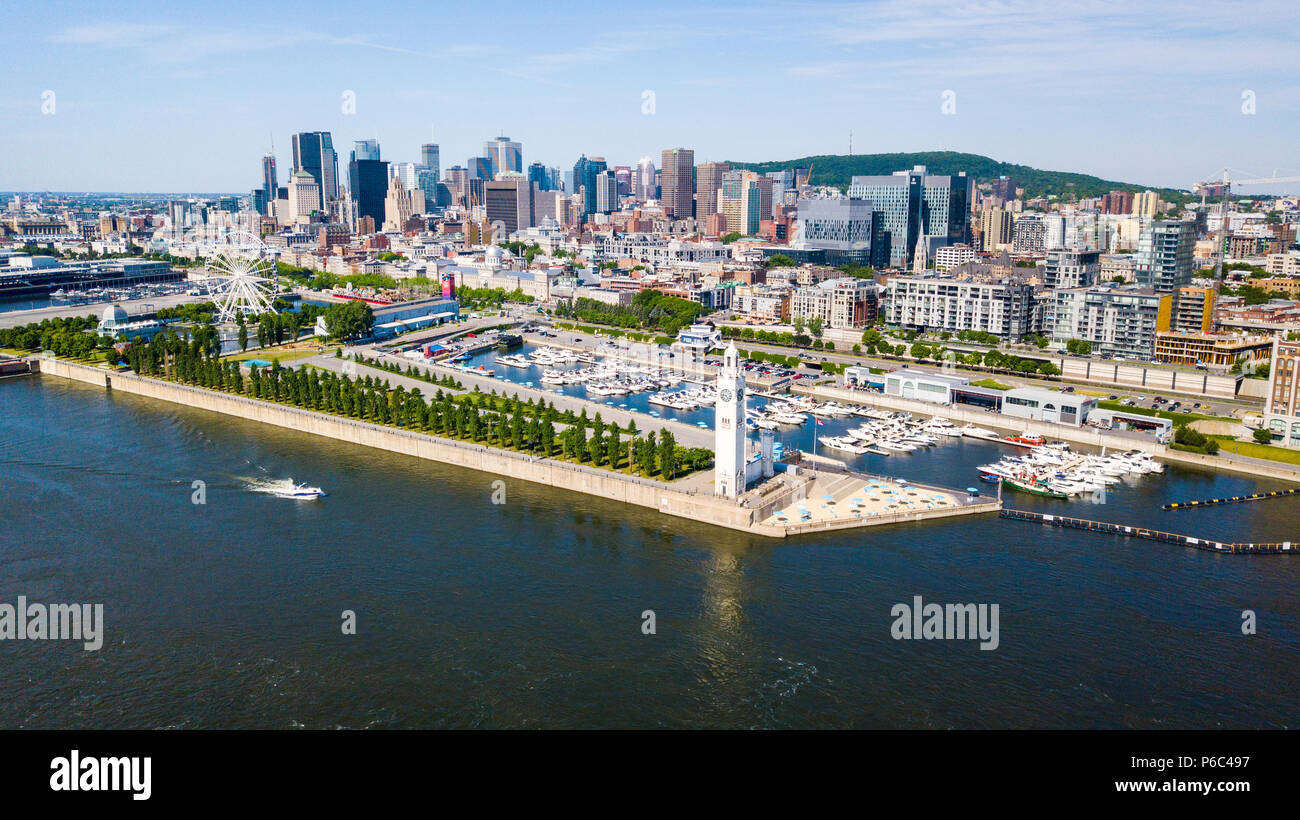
837,170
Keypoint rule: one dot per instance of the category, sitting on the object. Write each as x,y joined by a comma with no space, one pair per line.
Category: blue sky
165,97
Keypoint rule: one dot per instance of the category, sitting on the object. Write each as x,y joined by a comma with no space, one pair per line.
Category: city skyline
200,99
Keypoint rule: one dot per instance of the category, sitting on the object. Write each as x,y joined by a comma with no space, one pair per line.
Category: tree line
497,421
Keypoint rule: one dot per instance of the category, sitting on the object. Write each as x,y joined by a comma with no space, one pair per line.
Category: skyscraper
643,182
368,180
677,166
313,152
509,202
480,167
429,158
710,180
304,197
740,201
365,149
505,155
606,192
914,204
585,171
458,183
401,204
539,175
269,184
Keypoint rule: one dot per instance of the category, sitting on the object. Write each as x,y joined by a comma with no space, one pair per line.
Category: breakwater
1234,499
1149,534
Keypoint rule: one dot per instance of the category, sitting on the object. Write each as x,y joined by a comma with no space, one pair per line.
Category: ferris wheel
240,274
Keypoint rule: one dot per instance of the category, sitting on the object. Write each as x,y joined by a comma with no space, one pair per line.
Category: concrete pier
684,499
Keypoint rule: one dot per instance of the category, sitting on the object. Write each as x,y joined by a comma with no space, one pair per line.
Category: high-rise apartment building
1003,308
1121,321
1072,269
839,303
1146,204
1029,235
677,166
1004,188
995,229
1163,261
1117,202
1194,310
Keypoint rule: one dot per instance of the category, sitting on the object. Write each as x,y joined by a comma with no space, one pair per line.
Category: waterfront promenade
687,435
691,498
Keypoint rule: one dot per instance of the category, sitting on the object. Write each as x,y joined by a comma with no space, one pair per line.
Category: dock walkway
1107,528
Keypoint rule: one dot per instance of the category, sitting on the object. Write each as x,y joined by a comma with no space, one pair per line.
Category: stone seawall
592,481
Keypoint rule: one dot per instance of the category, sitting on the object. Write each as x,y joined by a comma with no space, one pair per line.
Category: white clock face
726,395
740,391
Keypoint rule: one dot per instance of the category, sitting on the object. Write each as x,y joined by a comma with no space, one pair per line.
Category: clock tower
729,427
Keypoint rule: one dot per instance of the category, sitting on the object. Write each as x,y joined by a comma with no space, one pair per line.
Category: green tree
349,320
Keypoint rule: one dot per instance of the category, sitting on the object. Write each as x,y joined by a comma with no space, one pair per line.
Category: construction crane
1227,182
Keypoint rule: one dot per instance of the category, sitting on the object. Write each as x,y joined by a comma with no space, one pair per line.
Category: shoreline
643,492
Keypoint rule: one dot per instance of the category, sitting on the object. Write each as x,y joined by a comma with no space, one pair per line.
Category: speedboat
288,489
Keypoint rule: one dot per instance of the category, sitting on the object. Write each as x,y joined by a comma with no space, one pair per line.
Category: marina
869,440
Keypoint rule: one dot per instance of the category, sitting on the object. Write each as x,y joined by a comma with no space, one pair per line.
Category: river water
529,613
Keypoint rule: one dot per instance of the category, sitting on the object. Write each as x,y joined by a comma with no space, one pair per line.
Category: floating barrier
1284,548
1236,499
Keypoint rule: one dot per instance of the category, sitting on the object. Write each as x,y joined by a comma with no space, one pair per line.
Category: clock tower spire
729,427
